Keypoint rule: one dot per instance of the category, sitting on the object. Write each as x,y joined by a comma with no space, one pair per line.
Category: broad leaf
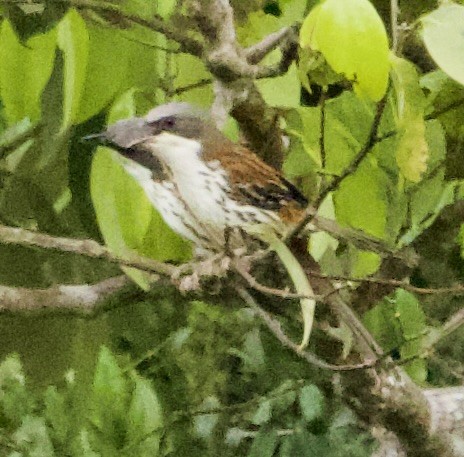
33,437
73,40
144,419
361,200
443,34
126,217
353,39
106,70
398,323
311,402
412,152
264,444
110,394
24,72
271,89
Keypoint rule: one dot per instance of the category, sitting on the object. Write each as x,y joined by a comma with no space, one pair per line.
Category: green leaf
123,107
109,396
410,314
358,208
412,150
383,325
57,414
311,402
264,444
81,445
252,353
191,71
311,131
126,217
399,322
283,91
24,72
348,121
461,240
427,202
106,70
263,414
353,40
205,423
443,34
304,444
73,40
33,437
15,400
144,419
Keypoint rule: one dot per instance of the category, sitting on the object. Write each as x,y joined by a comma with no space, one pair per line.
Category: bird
208,189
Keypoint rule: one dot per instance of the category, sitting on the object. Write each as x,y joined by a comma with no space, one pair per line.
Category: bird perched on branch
207,188
210,190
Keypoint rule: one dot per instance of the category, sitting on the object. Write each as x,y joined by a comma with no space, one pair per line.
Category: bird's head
174,132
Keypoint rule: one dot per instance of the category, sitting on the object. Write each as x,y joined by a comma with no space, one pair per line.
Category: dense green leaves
211,379
122,416
398,323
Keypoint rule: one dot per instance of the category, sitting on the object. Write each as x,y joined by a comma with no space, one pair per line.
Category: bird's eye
167,123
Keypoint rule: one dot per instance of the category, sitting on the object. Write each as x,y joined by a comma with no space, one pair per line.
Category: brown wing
256,183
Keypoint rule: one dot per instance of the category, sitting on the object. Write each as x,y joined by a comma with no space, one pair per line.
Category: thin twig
274,326
322,129
10,144
253,282
456,290
258,51
195,85
394,12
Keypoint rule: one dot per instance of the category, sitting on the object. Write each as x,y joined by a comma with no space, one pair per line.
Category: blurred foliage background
159,373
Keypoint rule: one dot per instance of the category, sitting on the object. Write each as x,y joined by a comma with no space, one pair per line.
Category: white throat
178,153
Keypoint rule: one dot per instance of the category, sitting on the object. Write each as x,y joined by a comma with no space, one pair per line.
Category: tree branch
82,298
258,51
89,248
275,328
157,24
456,290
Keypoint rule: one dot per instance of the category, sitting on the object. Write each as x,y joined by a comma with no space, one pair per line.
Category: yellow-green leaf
73,40
127,219
361,200
412,150
24,72
105,71
352,37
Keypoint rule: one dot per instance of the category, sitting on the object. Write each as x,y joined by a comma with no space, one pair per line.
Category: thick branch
387,396
258,51
82,298
89,248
